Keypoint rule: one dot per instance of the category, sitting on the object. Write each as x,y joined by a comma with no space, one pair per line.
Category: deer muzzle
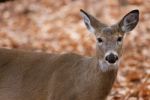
111,58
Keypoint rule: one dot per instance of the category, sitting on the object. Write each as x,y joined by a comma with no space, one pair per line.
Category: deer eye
99,40
119,39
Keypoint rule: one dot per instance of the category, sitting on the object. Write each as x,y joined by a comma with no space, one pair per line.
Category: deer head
110,38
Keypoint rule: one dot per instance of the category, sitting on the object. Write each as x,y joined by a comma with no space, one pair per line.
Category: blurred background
56,26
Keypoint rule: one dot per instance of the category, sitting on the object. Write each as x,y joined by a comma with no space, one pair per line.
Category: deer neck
107,73
102,81
107,79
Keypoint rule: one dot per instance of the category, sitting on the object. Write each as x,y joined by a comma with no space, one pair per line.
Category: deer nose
111,58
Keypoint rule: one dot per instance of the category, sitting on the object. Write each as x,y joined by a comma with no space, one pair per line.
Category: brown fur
39,76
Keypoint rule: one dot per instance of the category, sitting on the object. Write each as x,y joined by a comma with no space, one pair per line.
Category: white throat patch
105,66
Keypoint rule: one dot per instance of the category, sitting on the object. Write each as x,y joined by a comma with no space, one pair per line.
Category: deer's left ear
129,21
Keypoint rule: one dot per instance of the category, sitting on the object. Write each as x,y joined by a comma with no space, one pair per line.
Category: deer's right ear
87,21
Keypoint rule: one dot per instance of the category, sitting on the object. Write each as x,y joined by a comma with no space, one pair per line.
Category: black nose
111,58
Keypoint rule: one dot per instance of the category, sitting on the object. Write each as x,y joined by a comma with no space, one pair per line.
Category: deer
69,76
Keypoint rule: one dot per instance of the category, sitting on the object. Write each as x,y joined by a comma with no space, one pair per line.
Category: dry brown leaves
56,26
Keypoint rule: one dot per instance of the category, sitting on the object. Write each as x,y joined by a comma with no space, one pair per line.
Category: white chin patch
105,66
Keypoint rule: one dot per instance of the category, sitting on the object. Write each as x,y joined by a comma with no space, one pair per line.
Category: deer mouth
105,65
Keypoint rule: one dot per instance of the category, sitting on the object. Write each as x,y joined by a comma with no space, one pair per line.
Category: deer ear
129,21
87,21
